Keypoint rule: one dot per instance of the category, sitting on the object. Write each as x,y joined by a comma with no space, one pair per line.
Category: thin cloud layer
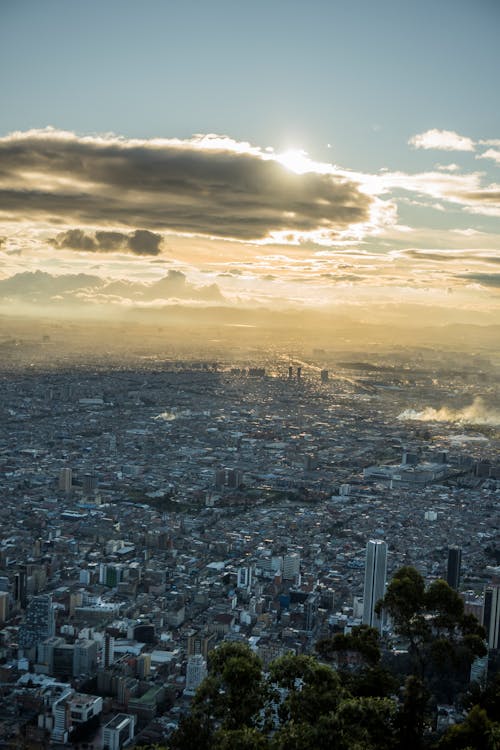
208,186
43,288
465,190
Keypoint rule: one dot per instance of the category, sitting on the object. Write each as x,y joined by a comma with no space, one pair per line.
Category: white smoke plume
476,413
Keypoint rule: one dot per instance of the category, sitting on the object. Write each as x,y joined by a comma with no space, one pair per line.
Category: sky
281,155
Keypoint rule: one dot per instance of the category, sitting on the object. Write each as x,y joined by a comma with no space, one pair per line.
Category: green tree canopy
440,636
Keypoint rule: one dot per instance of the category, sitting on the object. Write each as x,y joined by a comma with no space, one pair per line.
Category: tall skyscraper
108,651
200,643
454,565
65,479
244,580
491,616
291,566
39,622
375,577
20,586
195,673
4,606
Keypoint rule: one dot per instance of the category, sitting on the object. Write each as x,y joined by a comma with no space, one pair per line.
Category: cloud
485,279
140,242
491,153
38,284
40,287
444,140
143,242
436,255
448,167
208,185
463,189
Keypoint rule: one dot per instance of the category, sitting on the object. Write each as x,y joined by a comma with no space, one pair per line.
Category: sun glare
296,160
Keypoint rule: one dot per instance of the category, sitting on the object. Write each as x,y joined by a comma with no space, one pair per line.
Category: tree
404,602
367,723
477,732
310,689
489,698
243,739
410,720
362,640
443,641
232,697
357,656
235,687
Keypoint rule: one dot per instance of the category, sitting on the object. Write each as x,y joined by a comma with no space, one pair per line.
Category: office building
454,565
195,673
117,732
89,483
84,657
45,654
491,616
143,666
310,611
244,577
200,643
21,586
4,606
39,622
108,651
291,566
375,578
65,480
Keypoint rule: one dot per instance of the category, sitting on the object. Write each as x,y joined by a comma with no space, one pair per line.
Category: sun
296,160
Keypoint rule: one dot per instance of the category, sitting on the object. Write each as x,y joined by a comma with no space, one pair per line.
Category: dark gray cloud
140,242
485,279
184,187
445,257
428,255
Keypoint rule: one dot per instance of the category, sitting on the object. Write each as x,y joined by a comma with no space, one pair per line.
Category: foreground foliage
349,700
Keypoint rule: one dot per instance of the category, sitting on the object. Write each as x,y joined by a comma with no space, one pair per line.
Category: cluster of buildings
149,514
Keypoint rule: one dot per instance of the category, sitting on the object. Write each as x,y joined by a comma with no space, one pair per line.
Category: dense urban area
157,506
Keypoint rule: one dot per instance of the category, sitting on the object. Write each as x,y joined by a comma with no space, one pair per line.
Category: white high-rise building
118,732
375,578
195,673
291,565
244,577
